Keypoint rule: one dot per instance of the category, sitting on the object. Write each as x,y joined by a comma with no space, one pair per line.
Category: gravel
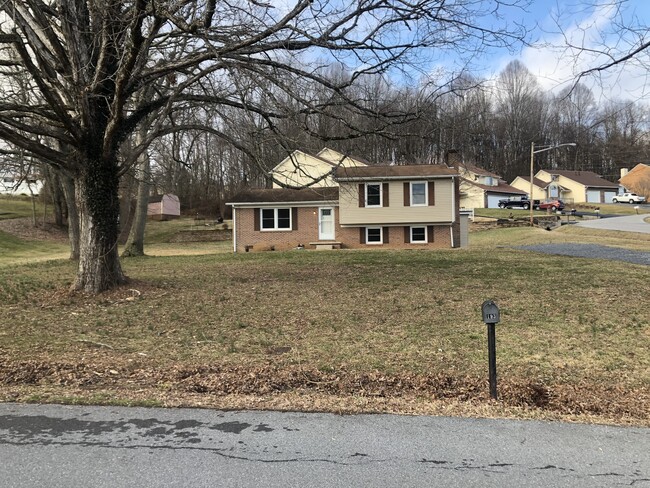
593,251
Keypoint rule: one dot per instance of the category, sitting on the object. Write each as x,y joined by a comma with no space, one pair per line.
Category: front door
326,224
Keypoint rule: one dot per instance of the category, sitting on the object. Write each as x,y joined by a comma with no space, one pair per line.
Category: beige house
397,207
637,180
569,186
300,169
480,188
540,188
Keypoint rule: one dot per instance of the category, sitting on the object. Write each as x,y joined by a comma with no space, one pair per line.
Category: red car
552,204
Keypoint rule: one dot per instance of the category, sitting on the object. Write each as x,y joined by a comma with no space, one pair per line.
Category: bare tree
88,60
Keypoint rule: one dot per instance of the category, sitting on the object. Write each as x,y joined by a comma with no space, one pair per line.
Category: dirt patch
25,229
196,385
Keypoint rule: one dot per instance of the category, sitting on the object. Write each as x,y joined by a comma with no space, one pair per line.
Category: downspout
234,229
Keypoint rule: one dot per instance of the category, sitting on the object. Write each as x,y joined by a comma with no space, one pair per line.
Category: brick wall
307,232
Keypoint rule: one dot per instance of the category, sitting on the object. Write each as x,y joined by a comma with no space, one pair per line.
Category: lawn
341,331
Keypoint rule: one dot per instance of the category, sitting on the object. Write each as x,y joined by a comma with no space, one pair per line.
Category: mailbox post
491,317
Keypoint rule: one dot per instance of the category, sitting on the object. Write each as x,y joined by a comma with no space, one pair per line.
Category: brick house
396,207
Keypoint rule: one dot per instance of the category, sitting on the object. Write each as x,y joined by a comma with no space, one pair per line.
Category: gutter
398,178
234,229
285,204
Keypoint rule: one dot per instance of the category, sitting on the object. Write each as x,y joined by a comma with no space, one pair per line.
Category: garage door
493,200
593,196
609,195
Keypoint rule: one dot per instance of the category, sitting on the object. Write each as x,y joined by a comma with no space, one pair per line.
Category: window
419,235
418,194
374,235
373,194
276,219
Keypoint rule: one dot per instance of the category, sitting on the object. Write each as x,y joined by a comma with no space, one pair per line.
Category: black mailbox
490,312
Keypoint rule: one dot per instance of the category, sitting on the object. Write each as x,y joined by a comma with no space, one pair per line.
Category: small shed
164,207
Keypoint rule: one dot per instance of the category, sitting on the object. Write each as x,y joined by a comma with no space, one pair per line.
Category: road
628,223
64,446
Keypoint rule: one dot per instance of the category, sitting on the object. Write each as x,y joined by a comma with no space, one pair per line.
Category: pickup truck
628,198
515,202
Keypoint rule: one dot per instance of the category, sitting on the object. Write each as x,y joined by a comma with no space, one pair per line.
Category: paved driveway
629,223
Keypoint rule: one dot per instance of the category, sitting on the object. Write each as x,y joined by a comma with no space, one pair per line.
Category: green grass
13,207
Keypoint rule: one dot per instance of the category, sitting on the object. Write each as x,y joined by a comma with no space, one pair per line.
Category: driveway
628,223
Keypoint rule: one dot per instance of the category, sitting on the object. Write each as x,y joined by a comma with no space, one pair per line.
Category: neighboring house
164,207
11,184
637,180
541,189
374,206
480,188
570,186
301,169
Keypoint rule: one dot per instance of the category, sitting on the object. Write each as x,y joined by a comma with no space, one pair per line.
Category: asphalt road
62,446
628,223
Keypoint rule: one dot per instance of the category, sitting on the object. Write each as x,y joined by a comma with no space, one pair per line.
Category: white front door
326,224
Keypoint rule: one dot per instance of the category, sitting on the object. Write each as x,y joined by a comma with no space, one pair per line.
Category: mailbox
490,312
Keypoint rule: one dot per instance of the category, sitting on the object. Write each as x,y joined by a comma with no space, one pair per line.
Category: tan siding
396,213
310,168
524,185
474,197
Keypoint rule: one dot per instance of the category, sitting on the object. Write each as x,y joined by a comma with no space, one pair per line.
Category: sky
594,27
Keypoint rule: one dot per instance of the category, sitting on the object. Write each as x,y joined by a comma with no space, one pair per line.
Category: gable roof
378,172
286,195
587,178
339,157
536,181
502,187
293,157
637,174
472,168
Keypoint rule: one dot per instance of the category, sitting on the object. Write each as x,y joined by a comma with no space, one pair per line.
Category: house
396,207
480,188
301,169
164,207
11,184
570,186
637,180
540,187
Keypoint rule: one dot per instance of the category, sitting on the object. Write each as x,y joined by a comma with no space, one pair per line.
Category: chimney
624,171
453,159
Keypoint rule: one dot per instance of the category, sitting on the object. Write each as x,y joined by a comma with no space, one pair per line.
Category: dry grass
341,331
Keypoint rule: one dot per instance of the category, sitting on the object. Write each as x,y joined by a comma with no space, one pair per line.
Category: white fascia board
391,178
317,203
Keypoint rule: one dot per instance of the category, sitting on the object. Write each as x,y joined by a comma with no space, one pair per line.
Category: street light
532,158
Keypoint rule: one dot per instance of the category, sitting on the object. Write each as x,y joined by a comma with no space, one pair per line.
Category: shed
164,207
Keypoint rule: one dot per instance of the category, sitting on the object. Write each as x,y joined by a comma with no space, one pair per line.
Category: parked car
554,204
515,202
628,198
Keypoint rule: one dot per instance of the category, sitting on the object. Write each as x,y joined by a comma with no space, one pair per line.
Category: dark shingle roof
587,178
397,171
285,195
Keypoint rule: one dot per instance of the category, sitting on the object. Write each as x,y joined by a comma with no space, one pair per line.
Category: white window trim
381,236
426,240
275,220
381,195
426,194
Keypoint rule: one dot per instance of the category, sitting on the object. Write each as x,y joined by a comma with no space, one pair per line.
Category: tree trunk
97,200
67,184
135,242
